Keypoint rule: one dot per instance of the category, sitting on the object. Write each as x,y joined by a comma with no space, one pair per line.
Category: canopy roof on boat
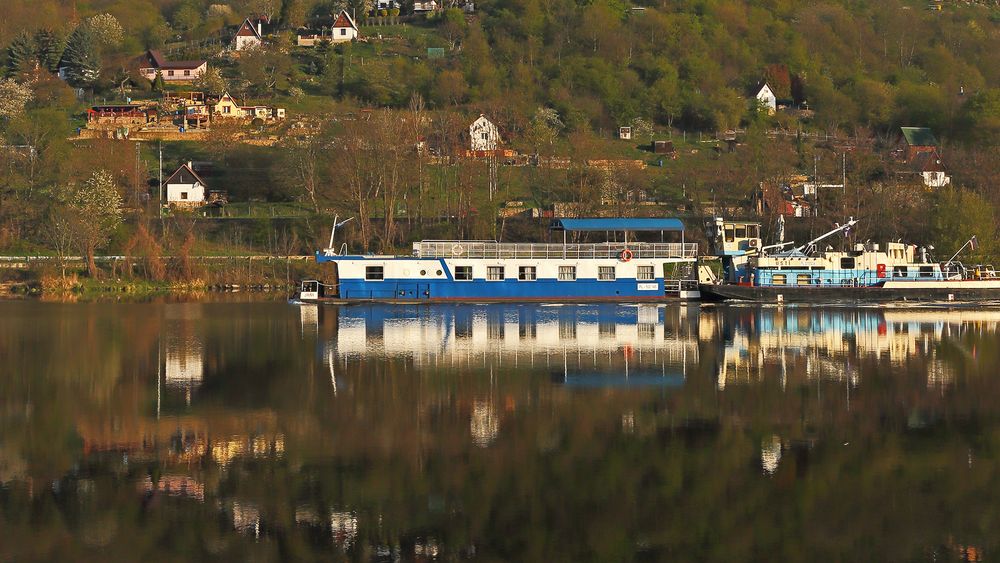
617,224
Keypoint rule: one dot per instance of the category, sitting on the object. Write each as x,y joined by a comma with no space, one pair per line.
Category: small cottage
483,135
764,96
344,29
184,188
172,71
248,36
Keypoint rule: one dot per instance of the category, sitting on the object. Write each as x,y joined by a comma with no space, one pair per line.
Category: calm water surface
267,431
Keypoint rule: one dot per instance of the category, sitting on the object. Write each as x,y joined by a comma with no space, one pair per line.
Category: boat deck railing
491,249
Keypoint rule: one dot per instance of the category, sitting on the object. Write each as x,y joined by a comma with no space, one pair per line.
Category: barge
490,271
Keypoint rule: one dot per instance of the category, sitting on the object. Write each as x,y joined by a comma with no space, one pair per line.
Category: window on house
463,273
225,109
606,273
494,273
170,73
485,137
187,73
374,273
184,195
343,31
526,273
645,273
567,273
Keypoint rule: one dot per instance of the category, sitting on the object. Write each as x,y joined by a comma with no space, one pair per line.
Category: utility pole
159,189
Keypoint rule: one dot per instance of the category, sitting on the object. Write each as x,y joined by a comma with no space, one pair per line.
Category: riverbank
268,278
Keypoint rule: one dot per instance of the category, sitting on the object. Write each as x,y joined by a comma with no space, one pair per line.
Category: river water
268,431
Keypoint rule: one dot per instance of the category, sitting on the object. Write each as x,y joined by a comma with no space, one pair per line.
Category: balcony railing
500,250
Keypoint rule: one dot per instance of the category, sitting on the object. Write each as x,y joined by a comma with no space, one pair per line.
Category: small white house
248,37
484,135
184,188
766,98
344,29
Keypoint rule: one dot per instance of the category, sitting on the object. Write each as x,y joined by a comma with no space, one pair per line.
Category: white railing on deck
499,250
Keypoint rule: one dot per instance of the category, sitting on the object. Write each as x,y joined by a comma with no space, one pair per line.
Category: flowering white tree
95,212
106,29
14,96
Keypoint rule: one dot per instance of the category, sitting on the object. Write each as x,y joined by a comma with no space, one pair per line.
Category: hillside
558,78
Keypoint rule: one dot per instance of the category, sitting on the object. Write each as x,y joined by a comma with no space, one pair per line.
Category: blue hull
506,290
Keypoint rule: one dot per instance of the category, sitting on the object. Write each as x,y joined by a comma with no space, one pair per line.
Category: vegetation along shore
158,143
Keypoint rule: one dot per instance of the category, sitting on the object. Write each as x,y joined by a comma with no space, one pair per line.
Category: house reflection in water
183,349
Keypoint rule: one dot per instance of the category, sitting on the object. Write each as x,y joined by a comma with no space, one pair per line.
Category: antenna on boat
845,227
333,231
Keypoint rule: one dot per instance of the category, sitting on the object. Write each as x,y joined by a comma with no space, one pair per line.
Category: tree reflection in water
510,432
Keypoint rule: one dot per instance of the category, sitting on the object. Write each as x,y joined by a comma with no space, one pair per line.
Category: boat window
778,279
803,279
729,233
847,263
463,273
374,273
494,273
899,271
753,231
567,273
927,271
526,273
644,273
606,273
741,231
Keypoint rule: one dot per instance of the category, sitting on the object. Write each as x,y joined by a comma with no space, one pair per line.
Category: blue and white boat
486,271
864,272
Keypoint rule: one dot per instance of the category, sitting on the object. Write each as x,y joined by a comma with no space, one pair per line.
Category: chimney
260,28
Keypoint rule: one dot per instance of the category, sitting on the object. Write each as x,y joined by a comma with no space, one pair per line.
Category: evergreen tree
20,54
48,48
81,58
158,82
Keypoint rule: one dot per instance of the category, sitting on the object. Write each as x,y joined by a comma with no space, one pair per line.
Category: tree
21,54
293,13
48,49
544,128
13,98
81,58
106,29
211,82
158,83
959,215
96,212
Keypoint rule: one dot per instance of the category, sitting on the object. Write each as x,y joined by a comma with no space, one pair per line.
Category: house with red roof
172,71
248,36
344,29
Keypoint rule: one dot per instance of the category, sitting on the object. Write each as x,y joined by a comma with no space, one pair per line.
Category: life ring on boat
457,250
626,255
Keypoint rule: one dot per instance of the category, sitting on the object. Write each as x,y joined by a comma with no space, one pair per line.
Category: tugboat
488,271
864,273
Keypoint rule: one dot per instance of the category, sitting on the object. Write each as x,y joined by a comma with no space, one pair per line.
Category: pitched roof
184,175
247,30
919,136
157,59
344,20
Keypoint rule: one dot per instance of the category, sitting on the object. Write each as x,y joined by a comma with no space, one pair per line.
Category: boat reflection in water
580,345
500,431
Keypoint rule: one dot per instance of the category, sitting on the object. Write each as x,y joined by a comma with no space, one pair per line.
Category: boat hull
963,291
687,296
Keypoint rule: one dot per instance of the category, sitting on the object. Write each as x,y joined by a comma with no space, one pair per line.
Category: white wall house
765,96
344,29
171,71
483,135
248,37
185,188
